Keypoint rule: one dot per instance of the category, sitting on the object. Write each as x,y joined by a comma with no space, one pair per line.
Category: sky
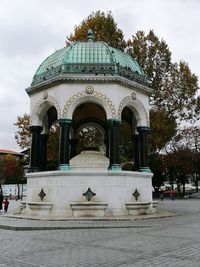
32,30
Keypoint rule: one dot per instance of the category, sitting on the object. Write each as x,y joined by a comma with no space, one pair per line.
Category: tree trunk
183,188
18,191
196,182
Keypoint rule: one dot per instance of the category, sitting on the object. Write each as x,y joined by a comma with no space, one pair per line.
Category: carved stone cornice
64,78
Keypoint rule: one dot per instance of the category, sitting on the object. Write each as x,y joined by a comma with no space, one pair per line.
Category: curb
104,223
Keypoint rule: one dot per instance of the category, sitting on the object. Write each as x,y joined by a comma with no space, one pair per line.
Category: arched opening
90,128
91,136
126,147
49,141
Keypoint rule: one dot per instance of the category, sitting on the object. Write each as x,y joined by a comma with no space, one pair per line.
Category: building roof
94,58
12,152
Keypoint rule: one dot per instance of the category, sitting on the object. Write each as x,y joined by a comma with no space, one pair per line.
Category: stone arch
138,109
83,97
39,110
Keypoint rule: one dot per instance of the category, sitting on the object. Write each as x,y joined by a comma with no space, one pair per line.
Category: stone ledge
88,209
159,214
137,208
40,208
88,173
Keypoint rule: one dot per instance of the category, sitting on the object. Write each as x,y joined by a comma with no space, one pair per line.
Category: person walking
161,196
6,204
1,198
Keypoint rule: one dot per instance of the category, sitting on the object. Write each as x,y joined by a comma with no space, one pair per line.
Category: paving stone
170,241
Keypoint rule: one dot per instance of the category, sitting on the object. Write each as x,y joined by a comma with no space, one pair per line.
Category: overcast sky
30,30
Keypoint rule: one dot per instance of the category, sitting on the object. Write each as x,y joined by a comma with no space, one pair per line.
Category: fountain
90,89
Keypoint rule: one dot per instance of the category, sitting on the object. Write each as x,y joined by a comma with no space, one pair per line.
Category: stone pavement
166,242
22,222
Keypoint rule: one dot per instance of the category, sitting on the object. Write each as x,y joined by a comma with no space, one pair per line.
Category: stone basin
88,209
40,208
138,207
154,206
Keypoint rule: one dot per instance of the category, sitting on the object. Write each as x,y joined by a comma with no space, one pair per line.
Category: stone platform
112,187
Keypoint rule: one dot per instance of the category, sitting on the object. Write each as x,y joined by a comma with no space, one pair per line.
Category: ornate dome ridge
89,58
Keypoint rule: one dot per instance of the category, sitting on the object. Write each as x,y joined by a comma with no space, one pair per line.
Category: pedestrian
172,196
1,199
161,196
6,203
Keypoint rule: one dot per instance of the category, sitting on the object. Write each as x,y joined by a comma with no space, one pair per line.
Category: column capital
143,128
63,122
35,129
114,122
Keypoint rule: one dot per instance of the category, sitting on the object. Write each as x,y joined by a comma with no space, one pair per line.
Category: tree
91,137
53,142
12,171
189,137
163,128
156,165
23,135
125,153
174,85
179,166
153,56
183,155
104,28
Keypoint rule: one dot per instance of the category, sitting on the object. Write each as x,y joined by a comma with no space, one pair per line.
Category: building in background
4,152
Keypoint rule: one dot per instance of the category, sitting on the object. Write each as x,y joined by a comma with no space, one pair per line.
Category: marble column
144,153
64,151
136,151
73,145
35,148
106,142
43,151
113,133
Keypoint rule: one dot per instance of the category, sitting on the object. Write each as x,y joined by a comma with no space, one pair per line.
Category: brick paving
166,242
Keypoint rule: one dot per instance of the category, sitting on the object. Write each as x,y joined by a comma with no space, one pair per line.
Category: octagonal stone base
62,188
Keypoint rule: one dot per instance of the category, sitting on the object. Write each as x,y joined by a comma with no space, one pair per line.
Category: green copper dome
89,58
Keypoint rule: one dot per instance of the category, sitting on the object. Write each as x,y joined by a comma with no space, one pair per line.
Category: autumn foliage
11,169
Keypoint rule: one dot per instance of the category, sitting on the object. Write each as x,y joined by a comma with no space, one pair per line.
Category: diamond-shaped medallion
42,194
89,194
136,194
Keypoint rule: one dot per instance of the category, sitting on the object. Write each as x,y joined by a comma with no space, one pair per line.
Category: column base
64,167
145,169
33,169
115,167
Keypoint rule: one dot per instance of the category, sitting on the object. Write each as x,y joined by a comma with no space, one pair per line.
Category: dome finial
90,35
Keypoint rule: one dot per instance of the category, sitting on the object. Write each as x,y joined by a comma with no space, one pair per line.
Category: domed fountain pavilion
88,84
